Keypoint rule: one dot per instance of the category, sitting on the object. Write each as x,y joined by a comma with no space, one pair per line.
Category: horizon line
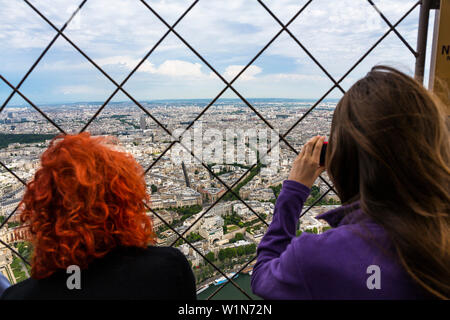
170,100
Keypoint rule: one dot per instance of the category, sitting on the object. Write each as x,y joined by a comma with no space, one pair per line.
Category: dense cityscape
184,193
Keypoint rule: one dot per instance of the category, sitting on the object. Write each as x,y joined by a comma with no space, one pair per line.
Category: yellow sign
440,63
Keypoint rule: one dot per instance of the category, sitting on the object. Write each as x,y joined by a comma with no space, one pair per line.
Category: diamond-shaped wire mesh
15,235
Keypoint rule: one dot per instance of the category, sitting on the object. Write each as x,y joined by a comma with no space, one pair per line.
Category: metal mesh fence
176,139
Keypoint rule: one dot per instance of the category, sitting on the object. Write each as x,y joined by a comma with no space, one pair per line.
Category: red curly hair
85,200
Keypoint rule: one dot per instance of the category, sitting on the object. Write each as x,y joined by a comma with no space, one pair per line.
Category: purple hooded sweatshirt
353,260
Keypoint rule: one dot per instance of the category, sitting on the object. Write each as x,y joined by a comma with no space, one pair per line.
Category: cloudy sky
117,34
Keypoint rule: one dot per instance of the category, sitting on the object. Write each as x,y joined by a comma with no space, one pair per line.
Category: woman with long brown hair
388,157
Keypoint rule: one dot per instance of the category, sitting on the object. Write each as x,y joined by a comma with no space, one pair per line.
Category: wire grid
228,85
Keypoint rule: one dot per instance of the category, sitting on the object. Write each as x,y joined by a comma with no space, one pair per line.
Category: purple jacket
340,263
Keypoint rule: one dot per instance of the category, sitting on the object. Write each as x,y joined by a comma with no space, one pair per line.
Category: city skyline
178,101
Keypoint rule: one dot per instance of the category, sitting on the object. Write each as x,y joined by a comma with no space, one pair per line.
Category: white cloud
181,68
172,68
21,28
249,74
295,77
126,62
229,28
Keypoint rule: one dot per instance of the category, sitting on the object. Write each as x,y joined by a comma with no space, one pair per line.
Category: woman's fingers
305,168
302,152
312,148
308,147
320,170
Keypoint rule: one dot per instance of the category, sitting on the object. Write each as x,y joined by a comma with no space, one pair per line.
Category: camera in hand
323,152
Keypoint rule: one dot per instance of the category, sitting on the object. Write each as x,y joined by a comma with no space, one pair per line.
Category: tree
222,255
179,242
232,219
250,248
25,249
190,210
13,224
210,256
315,191
154,188
253,172
238,236
6,139
276,190
240,251
193,237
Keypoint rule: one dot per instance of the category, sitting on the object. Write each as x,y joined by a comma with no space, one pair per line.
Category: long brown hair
389,147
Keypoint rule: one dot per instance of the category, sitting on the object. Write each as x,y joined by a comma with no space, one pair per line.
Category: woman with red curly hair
85,207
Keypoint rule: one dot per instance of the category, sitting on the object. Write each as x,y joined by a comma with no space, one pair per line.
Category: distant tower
143,122
186,177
